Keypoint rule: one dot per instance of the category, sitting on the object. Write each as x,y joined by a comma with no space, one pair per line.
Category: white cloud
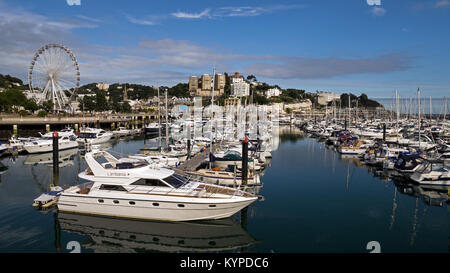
95,20
145,22
377,11
73,2
442,3
24,32
186,15
237,11
373,2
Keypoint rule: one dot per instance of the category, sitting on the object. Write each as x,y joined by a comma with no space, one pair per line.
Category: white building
273,92
239,88
325,97
36,96
103,86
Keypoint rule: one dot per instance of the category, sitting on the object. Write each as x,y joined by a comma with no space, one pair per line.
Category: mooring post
77,130
98,122
55,153
15,130
384,132
345,125
188,141
244,161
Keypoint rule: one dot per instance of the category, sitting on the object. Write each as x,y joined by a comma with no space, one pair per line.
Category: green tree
31,105
101,104
47,105
126,108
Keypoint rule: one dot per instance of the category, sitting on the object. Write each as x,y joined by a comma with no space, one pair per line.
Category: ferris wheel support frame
50,56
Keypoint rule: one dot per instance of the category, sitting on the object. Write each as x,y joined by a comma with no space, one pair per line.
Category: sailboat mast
159,121
418,101
167,121
431,113
212,111
397,108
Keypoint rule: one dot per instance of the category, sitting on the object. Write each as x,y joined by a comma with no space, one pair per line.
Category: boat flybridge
132,188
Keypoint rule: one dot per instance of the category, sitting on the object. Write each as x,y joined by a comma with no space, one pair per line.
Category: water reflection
66,158
430,195
124,236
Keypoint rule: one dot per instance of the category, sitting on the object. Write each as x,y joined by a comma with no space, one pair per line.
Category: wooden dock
194,162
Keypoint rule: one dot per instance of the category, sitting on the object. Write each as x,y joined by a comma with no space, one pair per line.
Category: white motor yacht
93,136
431,173
157,160
131,188
45,144
121,131
64,132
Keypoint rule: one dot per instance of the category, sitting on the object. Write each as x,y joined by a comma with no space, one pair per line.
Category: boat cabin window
150,182
176,180
86,135
112,188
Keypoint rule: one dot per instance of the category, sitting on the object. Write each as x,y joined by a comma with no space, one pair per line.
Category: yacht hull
48,147
178,209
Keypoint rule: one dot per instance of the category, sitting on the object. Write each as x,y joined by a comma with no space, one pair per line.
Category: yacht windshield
176,180
424,168
86,135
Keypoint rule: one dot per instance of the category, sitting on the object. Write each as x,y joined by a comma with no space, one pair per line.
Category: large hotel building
202,86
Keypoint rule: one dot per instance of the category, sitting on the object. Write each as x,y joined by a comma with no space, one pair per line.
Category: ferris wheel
54,74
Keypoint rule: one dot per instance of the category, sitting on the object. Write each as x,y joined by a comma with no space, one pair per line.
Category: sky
358,46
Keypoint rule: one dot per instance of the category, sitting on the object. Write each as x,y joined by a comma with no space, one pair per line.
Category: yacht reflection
3,168
431,195
101,146
66,158
108,235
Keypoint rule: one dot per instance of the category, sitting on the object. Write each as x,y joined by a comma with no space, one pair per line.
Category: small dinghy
48,199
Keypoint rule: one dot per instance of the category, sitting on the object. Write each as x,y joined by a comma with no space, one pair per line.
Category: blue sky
358,46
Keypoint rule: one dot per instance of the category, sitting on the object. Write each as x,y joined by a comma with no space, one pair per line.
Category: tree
126,108
100,102
31,105
251,77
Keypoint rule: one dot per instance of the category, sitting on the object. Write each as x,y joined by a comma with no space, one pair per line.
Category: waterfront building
232,102
219,84
203,86
303,105
236,78
324,98
240,89
273,92
206,82
193,85
102,86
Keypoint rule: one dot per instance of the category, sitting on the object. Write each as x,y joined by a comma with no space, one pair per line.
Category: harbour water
314,201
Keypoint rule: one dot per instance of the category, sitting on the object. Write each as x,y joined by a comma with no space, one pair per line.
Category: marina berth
132,188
